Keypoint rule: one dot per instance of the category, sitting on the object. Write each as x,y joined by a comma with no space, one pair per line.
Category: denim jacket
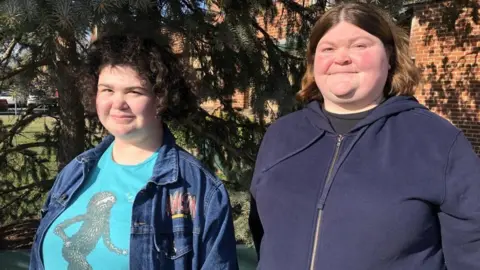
196,233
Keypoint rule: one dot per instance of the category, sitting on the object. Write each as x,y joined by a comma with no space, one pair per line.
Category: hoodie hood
390,106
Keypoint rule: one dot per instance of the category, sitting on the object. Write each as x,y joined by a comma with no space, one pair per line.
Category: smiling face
125,105
350,69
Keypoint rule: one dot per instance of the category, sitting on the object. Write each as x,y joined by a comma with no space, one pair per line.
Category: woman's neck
351,108
134,152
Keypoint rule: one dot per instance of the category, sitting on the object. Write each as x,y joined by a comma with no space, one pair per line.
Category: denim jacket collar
166,168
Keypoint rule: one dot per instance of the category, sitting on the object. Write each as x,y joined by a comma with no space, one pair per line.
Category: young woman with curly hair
137,200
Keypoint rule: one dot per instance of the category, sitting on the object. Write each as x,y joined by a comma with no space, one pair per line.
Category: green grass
21,209
36,126
28,135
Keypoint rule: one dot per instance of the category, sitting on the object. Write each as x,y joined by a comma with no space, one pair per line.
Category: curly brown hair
154,63
403,76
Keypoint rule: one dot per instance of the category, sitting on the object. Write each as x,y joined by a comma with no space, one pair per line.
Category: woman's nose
342,57
119,101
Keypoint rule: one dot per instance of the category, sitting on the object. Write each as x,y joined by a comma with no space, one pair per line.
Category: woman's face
125,105
350,69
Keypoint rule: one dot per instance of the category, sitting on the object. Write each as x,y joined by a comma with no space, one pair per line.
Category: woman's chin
343,93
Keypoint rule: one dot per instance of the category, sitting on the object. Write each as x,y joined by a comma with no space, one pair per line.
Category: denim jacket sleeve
44,208
43,211
460,211
218,236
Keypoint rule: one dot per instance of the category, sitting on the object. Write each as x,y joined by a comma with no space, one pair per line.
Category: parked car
39,98
3,105
12,99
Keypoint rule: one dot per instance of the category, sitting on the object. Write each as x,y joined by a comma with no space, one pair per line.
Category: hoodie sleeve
460,211
254,222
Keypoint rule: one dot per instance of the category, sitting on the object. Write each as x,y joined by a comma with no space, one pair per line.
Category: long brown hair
403,75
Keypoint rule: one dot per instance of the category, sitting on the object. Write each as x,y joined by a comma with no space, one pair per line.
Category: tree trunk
72,121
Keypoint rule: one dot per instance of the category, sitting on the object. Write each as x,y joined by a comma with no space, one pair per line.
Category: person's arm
219,246
43,212
44,209
255,224
460,211
254,221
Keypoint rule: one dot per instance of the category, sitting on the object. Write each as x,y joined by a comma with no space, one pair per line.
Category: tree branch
9,50
300,9
84,49
25,146
269,41
29,186
21,124
15,200
202,112
24,68
228,147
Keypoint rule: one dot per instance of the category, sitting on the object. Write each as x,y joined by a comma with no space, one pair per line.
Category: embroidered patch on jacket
181,205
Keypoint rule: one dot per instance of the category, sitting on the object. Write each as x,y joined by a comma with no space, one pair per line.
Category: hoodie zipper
320,210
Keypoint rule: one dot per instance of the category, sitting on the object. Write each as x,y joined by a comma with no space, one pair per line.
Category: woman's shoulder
288,121
190,165
285,137
426,121
291,130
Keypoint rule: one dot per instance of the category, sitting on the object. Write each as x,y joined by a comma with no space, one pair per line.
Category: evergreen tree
225,45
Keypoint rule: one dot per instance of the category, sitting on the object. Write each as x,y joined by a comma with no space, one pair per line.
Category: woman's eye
360,46
329,49
106,90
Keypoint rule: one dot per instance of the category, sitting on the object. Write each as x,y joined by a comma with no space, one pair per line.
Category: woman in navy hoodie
364,177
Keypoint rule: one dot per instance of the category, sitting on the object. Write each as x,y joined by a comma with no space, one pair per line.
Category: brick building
445,44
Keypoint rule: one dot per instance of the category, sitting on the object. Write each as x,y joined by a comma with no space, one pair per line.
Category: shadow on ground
14,260
19,259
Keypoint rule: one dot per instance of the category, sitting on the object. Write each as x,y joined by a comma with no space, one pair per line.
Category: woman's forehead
125,76
345,31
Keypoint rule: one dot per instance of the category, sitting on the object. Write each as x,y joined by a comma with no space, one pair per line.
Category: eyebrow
126,88
349,40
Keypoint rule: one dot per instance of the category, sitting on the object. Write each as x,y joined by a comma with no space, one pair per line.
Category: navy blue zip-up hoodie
401,191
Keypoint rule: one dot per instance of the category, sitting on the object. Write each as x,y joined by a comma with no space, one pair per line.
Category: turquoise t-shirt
94,230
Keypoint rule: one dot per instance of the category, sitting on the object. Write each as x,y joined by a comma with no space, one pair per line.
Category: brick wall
277,30
445,43
277,27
